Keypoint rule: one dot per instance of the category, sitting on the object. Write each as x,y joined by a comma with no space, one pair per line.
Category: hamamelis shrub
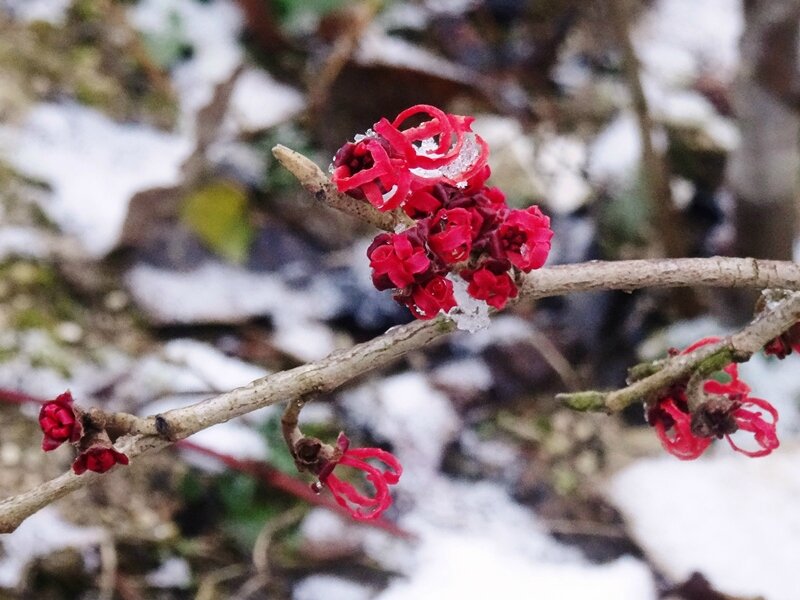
431,166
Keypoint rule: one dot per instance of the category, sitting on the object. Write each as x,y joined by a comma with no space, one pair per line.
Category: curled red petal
392,475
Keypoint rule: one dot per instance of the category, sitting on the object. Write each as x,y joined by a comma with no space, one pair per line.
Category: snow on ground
214,57
259,102
93,165
405,409
51,11
615,153
229,294
28,242
39,535
375,47
678,40
174,572
732,518
473,540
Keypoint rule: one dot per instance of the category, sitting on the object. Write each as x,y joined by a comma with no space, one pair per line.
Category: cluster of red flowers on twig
686,429
783,345
436,172
360,506
61,421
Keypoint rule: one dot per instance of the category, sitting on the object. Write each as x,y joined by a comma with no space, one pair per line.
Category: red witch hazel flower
494,288
434,167
98,458
360,506
726,408
60,421
783,345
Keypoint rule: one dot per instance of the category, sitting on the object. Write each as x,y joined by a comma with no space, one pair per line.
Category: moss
96,58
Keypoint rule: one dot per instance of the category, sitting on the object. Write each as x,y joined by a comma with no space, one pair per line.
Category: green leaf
217,213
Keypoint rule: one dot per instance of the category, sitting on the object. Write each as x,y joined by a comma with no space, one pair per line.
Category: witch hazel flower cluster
726,407
434,167
63,422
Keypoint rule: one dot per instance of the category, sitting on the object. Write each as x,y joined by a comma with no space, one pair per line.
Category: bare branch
737,347
158,431
315,181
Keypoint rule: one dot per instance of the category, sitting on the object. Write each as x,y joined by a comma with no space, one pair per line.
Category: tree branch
343,366
738,347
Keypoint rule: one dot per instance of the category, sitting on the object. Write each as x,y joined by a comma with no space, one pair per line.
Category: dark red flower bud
494,288
60,422
98,458
783,345
396,260
524,237
452,232
426,300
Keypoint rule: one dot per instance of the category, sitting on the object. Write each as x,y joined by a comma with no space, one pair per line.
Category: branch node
588,401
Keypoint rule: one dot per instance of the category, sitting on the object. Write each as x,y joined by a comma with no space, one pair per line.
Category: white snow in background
51,11
331,587
561,160
678,40
512,157
468,374
418,419
258,102
505,329
172,573
93,165
303,339
221,372
222,293
234,438
777,382
732,518
375,47
215,57
474,542
28,242
40,534
614,155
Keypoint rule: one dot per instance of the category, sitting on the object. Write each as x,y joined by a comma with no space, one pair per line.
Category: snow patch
376,47
259,102
93,165
615,154
27,242
405,409
678,40
475,543
173,573
39,535
223,293
215,57
221,372
330,587
469,374
51,11
732,518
